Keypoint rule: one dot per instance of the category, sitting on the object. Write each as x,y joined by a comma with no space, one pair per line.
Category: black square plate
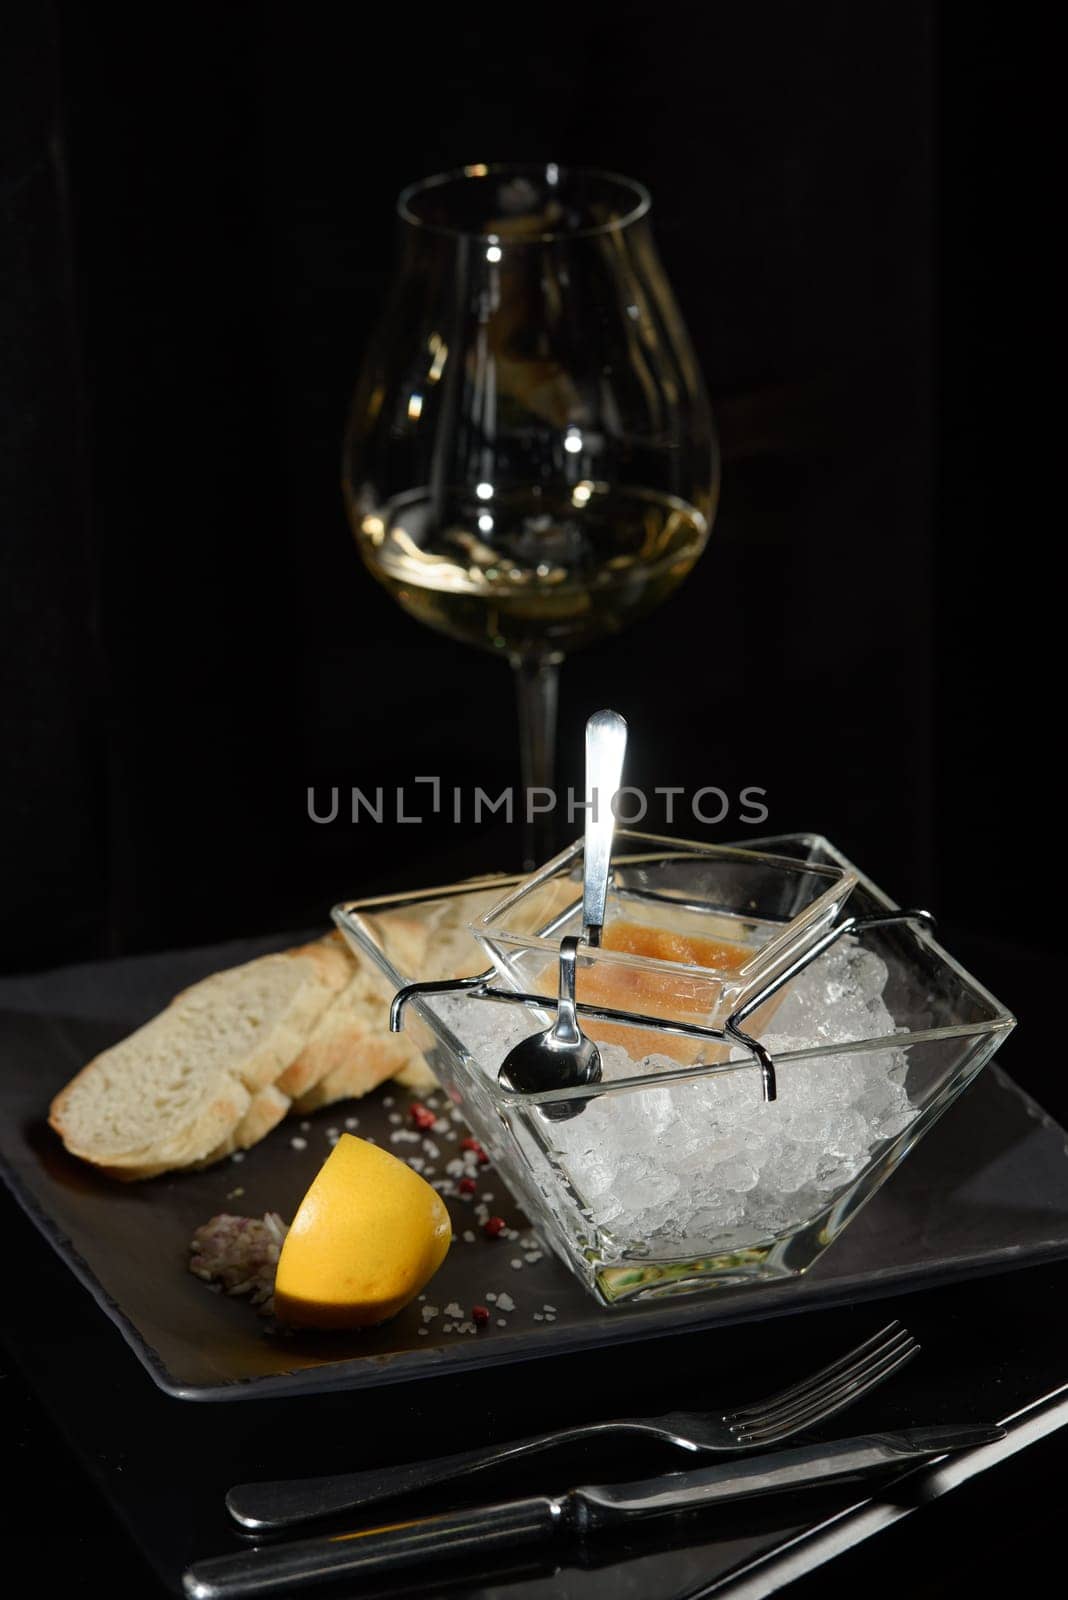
986,1190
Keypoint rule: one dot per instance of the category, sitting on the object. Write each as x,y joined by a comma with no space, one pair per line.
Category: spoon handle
566,1030
606,744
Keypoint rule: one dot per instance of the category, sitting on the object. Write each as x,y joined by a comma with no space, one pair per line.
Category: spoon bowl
562,1056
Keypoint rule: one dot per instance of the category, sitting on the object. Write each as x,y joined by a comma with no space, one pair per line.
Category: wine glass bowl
530,461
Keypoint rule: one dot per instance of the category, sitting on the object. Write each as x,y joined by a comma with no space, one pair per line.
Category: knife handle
278,1569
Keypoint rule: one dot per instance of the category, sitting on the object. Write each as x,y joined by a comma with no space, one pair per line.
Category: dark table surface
95,1451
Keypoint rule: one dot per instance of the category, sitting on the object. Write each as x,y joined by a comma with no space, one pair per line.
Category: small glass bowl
690,929
581,1180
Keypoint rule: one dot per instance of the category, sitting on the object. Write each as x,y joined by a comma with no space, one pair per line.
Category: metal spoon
562,1056
606,746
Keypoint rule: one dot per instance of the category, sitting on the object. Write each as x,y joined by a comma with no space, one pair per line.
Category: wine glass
530,460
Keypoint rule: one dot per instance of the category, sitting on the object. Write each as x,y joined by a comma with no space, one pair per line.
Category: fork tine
844,1382
815,1411
892,1333
830,1386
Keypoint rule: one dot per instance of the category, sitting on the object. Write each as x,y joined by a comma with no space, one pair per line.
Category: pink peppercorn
480,1315
493,1226
421,1116
467,1185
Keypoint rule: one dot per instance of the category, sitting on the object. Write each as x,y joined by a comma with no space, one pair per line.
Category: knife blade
278,1568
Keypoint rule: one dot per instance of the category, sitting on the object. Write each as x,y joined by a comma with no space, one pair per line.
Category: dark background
189,639
854,205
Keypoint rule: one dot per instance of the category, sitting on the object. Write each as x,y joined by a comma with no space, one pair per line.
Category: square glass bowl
690,931
675,1176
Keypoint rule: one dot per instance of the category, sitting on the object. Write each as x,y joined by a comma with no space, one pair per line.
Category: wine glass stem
537,681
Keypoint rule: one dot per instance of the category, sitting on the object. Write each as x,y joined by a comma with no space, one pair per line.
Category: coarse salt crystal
387,1101
516,1264
238,1155
352,1122
548,1307
454,1310
396,1118
468,1236
504,1302
501,1323
304,1127
299,1144
538,1317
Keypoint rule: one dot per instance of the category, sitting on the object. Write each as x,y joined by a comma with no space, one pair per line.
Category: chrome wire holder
482,987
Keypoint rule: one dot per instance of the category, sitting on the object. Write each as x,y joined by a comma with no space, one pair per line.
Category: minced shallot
240,1254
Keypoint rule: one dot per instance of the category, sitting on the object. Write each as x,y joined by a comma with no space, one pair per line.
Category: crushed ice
692,1163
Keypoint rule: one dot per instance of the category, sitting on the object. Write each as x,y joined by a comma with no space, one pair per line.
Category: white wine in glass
530,462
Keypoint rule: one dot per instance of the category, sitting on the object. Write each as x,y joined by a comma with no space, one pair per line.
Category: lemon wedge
369,1234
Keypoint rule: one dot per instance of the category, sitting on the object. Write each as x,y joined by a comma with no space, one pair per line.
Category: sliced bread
351,1049
184,1087
363,1062
266,1110
339,1041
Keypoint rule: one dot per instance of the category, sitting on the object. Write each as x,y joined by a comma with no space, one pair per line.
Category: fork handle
286,1501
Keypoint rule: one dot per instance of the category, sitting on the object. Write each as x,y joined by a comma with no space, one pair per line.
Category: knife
373,1552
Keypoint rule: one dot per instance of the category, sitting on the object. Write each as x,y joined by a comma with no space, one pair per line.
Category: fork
759,1426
